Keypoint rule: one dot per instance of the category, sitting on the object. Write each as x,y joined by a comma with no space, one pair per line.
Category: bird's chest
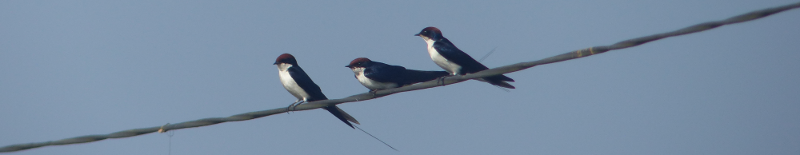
448,66
372,84
292,86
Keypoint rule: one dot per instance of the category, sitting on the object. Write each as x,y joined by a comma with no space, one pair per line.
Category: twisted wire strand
425,85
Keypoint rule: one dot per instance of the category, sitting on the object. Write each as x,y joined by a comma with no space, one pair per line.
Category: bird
299,84
378,76
445,54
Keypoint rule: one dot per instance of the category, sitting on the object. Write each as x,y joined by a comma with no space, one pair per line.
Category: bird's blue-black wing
315,93
455,55
305,82
467,63
416,76
384,73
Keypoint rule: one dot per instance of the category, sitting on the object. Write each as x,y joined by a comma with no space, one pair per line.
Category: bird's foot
293,106
289,108
440,81
298,104
373,92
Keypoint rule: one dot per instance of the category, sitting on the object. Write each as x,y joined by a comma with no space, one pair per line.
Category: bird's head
359,63
430,33
285,58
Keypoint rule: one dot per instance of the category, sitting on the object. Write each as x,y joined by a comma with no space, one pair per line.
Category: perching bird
455,61
297,82
378,76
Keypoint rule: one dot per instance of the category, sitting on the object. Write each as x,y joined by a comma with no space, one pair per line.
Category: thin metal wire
170,134
425,85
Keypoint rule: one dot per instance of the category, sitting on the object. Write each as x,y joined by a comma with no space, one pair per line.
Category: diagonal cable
425,85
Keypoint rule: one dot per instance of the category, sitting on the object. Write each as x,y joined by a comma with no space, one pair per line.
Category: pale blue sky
73,68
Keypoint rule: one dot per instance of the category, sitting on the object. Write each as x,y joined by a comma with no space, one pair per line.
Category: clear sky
73,68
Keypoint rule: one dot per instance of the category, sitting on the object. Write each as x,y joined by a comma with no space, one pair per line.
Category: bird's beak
276,63
416,34
348,66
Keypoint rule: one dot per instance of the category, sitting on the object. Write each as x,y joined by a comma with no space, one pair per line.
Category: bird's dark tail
416,76
343,116
499,80
376,138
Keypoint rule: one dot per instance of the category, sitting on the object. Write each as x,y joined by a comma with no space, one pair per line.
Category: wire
425,85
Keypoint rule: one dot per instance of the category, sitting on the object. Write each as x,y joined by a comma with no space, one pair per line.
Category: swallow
455,61
297,82
378,76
